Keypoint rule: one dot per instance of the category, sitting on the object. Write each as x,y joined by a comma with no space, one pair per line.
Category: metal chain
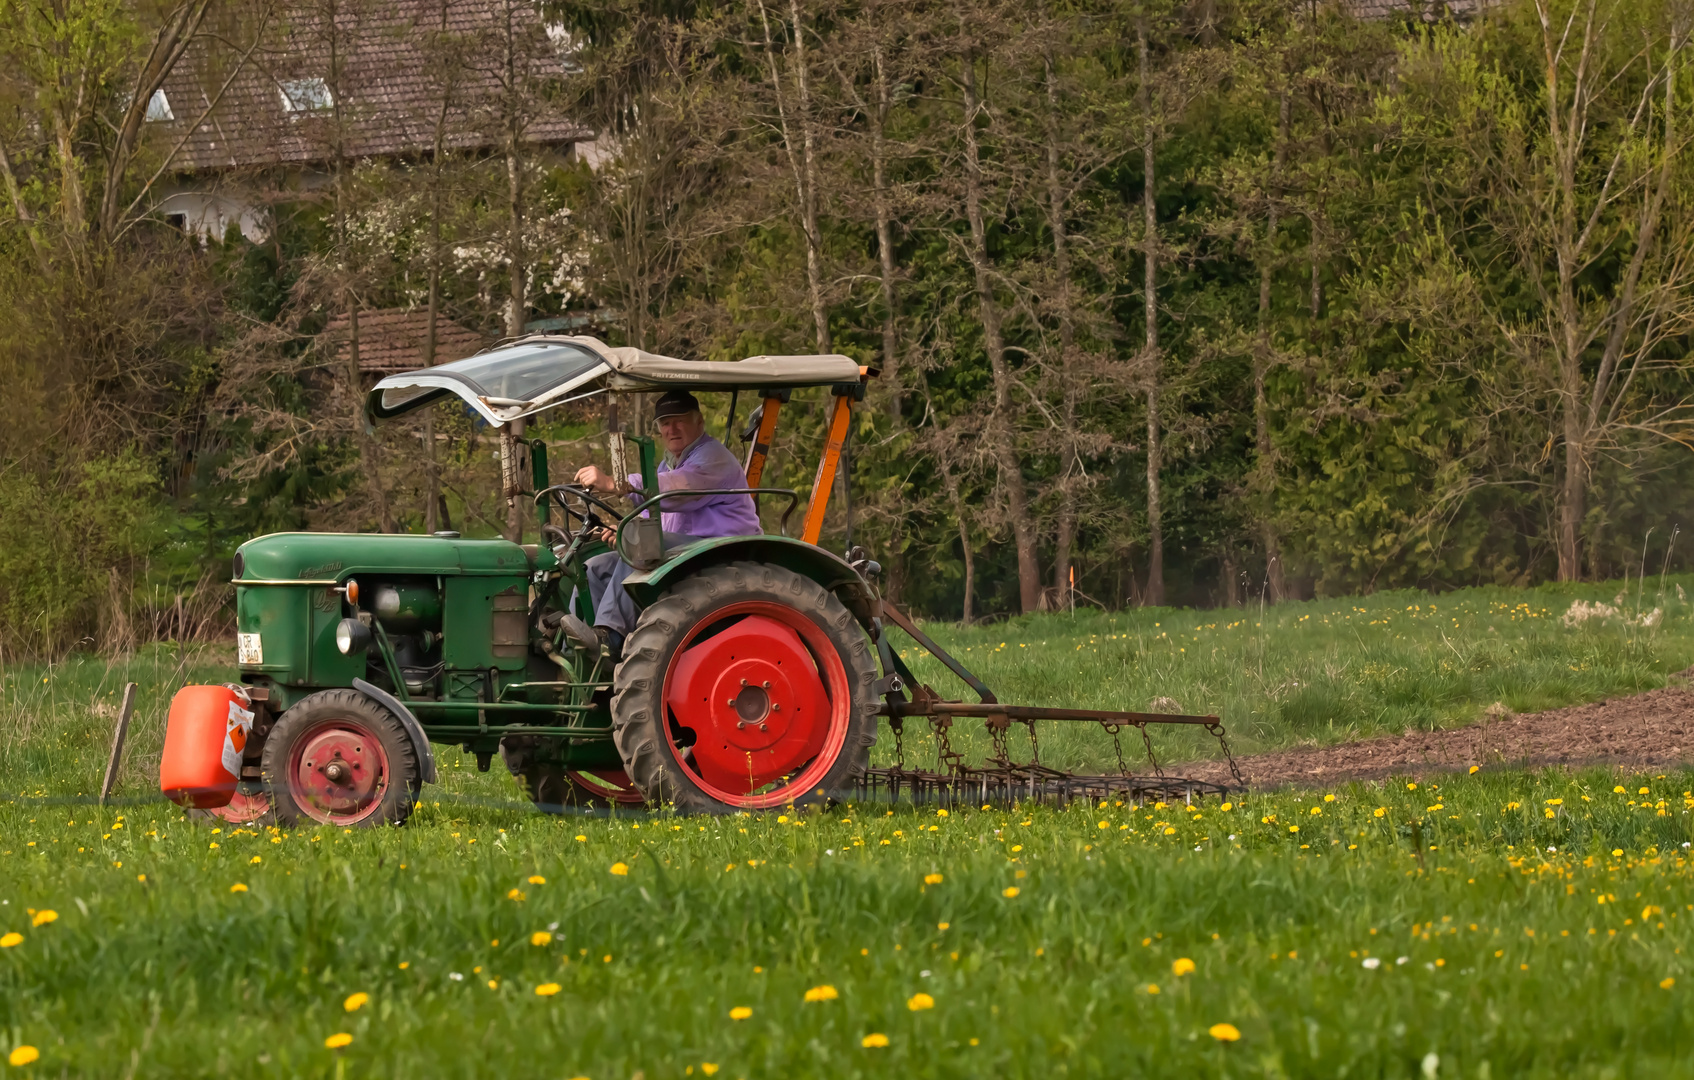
899,743
946,757
1148,742
1117,746
997,736
1217,732
1034,746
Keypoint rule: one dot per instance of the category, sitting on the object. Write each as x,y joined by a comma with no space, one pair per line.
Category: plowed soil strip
1655,729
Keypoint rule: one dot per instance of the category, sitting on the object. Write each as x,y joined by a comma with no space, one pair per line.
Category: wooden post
118,743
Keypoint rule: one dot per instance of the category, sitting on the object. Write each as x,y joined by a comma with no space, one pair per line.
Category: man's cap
675,403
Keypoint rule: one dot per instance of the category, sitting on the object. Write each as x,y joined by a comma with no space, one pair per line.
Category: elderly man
693,461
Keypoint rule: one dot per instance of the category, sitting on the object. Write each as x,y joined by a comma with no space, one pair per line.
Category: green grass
1321,671
155,967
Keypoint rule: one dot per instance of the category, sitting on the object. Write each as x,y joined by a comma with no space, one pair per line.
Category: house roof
392,339
386,67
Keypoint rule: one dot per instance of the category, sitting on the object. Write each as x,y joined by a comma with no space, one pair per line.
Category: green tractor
754,677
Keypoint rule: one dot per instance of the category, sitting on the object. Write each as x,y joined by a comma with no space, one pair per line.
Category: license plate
249,650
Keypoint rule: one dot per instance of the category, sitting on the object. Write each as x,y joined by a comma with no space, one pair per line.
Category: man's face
677,432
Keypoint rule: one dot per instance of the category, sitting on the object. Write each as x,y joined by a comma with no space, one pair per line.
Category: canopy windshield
527,376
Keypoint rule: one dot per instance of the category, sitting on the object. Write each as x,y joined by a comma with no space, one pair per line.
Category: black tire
386,792
640,718
549,786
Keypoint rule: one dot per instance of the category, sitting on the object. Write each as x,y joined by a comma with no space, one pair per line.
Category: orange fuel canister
204,738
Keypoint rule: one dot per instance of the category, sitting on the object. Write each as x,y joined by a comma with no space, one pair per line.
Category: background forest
1192,303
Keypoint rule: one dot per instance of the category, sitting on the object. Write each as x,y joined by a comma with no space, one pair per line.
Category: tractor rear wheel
552,787
339,758
743,687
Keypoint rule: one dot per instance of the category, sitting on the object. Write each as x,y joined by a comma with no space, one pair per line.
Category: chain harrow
1005,780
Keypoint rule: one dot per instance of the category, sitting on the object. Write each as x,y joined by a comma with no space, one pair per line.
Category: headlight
352,636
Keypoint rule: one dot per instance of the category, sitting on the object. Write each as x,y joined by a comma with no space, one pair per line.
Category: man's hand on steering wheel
590,476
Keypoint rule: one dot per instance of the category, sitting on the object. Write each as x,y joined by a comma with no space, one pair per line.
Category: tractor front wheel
339,758
744,687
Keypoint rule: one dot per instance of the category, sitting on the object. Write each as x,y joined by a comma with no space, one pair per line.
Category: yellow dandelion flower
1666,984
709,1068
1293,828
581,839
255,860
1381,811
932,879
1182,966
516,895
338,1040
1009,891
920,1002
23,1054
537,879
1474,769
1617,853
740,1012
1329,798
43,917
1169,831
1152,988
10,939
942,925
540,937
620,869
238,887
355,1002
822,993
1224,1032
547,989
873,1041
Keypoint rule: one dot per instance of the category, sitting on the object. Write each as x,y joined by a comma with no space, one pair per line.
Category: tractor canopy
531,374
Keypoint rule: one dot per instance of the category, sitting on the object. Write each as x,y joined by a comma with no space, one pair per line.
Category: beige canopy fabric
637,369
532,374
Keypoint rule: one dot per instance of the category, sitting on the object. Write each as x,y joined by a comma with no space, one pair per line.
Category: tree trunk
951,483
885,243
1068,466
1264,475
802,163
1000,421
1150,357
1572,499
432,467
370,451
511,450
809,192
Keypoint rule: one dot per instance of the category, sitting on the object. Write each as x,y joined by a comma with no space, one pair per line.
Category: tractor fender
420,742
808,560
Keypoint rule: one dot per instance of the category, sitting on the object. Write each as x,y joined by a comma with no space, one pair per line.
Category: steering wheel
562,494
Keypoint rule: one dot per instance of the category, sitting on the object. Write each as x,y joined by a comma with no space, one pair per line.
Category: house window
159,107
305,95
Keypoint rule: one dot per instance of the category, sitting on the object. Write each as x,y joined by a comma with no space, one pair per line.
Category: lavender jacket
705,464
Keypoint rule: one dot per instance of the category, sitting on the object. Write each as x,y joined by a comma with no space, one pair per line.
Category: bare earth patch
1654,729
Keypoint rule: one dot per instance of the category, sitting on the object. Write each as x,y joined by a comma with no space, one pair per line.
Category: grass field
1500,924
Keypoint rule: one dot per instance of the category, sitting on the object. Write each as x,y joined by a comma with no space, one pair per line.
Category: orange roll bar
826,468
762,441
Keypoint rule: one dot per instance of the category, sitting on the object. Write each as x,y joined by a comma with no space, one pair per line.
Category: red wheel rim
613,785
338,773
244,808
767,699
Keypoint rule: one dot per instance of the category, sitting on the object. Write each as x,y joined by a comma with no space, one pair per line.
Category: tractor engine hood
330,557
535,373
